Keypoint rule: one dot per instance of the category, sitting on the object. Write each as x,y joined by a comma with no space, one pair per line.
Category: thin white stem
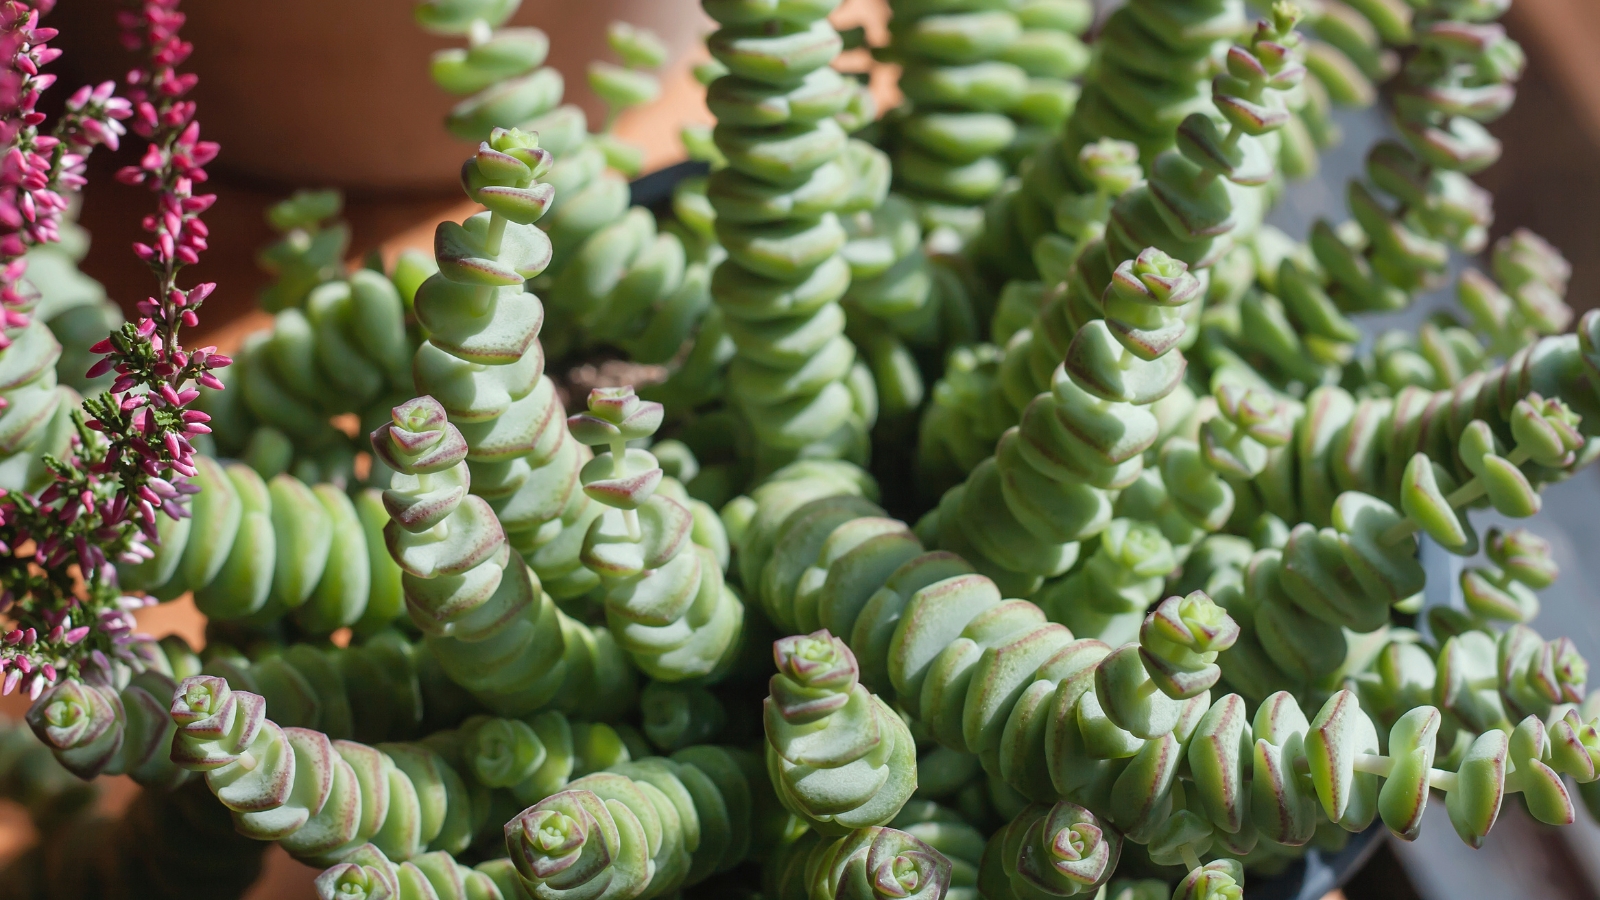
1372,764
497,232
1444,781
1190,858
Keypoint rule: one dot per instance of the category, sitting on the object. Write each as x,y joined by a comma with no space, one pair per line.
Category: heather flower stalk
40,170
131,452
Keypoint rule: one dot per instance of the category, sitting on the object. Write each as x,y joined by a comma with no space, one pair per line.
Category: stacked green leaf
259,550
343,349
1342,443
531,759
370,691
646,828
73,305
1152,68
1052,481
501,71
1132,735
839,756
794,378
906,308
320,799
657,557
984,80
310,252
368,872
37,416
1523,301
1417,204
488,622
1197,196
876,863
484,364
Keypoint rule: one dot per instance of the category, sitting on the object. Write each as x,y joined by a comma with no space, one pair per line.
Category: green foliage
984,82
1143,569
794,378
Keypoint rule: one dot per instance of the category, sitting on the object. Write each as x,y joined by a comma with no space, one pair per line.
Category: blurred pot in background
336,92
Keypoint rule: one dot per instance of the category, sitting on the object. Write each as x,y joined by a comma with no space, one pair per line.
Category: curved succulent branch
320,799
1417,204
259,550
484,364
1197,197
492,628
1153,67
1058,718
645,828
839,756
1052,480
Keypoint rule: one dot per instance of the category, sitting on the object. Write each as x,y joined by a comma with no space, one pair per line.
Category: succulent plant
839,756
318,798
794,377
1143,573
983,82
260,550
665,598
644,828
348,333
488,622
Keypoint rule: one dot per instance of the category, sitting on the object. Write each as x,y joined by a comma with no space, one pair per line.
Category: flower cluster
131,452
40,171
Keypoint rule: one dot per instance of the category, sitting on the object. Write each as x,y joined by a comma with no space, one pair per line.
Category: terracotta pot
336,92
